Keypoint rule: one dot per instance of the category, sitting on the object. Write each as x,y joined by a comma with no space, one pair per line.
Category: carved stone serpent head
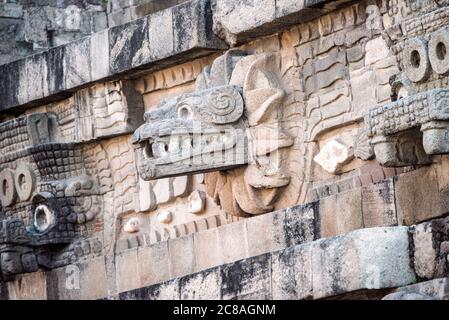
231,123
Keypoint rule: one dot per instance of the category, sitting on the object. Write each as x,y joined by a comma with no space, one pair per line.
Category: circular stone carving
439,52
44,218
416,60
7,190
226,105
24,180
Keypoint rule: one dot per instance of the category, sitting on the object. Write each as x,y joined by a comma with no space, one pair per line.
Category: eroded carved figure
50,194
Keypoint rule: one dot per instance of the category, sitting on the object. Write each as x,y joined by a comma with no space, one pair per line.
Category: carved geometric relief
107,109
419,92
51,193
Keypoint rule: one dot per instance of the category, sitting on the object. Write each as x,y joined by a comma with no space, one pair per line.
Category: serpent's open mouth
185,152
200,131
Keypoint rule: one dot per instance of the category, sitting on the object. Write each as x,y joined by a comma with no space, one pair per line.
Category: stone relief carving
414,125
233,119
107,109
50,195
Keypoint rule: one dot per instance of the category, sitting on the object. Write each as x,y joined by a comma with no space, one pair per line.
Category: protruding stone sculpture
334,155
47,192
197,201
194,132
233,119
416,123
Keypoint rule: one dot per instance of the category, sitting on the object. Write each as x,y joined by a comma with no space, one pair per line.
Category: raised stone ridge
373,258
162,39
159,40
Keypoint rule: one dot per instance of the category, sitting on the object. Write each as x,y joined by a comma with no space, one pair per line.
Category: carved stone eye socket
148,150
438,51
44,218
416,60
185,112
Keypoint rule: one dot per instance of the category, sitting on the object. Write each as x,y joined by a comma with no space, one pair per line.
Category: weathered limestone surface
317,269
240,21
431,243
33,26
437,289
372,258
81,215
110,52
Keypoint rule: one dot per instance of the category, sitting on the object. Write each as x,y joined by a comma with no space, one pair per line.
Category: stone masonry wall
334,112
28,26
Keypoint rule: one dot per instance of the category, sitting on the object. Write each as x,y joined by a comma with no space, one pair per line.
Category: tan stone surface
182,256
418,198
32,286
207,249
341,213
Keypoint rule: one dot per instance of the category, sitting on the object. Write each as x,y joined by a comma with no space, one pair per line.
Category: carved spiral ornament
225,104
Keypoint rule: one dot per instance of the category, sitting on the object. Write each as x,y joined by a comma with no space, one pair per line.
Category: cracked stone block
372,258
182,256
247,279
431,248
165,291
240,21
292,274
201,286
437,289
333,156
153,263
425,255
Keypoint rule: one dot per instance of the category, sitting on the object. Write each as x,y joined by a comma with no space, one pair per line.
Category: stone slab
241,21
437,289
363,260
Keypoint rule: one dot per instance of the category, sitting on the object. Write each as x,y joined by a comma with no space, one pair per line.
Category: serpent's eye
185,112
